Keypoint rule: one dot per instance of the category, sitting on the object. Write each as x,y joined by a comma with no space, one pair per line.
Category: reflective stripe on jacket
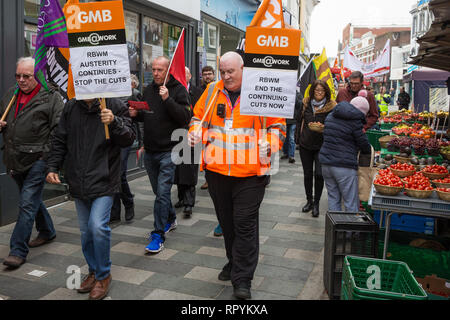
233,152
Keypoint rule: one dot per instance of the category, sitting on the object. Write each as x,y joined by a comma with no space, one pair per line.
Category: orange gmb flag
177,66
269,15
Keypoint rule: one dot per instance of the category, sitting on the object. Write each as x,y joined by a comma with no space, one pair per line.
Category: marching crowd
42,136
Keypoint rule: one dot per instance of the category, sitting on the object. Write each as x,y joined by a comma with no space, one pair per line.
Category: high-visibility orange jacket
233,151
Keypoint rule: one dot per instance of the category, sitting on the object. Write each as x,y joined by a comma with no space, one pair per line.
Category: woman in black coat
314,109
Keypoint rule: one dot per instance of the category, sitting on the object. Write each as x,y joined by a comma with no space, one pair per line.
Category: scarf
318,104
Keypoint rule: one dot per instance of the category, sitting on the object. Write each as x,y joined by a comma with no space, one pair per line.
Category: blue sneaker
170,226
156,244
218,231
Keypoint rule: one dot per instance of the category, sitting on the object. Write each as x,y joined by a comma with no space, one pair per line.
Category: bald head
188,74
231,67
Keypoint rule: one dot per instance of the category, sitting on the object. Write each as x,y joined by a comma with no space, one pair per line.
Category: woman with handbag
309,137
343,138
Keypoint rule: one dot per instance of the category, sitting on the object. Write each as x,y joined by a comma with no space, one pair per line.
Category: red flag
177,66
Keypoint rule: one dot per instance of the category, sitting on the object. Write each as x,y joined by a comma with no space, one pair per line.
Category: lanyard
229,101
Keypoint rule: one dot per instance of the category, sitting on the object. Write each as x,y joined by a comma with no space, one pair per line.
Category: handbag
366,172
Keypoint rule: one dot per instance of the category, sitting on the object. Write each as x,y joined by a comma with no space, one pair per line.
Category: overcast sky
329,18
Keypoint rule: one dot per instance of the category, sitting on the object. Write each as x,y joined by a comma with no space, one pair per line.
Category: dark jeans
289,143
186,194
161,172
312,173
125,192
31,208
237,202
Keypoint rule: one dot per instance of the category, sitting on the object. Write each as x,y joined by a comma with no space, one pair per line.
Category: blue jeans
161,172
31,208
93,218
342,183
289,143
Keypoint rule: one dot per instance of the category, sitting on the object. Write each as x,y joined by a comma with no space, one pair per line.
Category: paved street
290,263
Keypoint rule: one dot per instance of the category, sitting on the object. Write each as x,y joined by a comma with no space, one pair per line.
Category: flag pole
8,108
170,64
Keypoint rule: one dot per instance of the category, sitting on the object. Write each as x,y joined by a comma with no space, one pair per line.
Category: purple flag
51,32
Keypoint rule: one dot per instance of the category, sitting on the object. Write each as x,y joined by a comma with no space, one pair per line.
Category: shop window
132,27
31,7
30,39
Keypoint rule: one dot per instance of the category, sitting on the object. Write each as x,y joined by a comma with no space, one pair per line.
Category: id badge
228,124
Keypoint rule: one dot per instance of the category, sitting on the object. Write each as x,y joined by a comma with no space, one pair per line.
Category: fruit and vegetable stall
411,187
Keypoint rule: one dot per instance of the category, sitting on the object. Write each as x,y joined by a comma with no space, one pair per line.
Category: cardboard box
435,285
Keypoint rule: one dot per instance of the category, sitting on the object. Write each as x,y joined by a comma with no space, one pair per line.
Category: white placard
101,72
37,273
268,92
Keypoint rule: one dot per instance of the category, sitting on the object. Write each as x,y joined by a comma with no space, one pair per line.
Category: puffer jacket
27,138
91,163
343,137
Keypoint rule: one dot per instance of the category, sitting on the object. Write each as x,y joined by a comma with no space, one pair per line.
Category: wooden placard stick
199,128
102,107
8,108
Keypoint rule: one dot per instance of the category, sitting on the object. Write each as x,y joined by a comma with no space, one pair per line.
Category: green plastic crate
373,136
387,126
396,279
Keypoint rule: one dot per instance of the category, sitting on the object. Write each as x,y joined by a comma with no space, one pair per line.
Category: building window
32,7
414,26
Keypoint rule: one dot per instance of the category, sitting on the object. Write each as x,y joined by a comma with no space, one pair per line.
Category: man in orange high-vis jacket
236,158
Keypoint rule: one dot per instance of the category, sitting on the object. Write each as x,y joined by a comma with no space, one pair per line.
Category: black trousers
237,202
312,173
186,194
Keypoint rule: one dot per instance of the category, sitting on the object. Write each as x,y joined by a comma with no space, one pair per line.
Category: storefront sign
98,50
270,72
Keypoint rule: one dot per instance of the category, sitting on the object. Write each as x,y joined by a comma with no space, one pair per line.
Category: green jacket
27,138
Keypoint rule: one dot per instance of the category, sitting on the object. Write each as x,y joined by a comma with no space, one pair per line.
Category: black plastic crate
346,233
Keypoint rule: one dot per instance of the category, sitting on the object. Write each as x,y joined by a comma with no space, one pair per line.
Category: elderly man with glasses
351,91
27,132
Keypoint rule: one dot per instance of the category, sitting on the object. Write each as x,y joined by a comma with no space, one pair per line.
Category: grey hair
134,80
234,56
25,59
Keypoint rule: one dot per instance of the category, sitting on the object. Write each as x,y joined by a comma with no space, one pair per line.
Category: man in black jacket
92,170
403,99
169,110
27,132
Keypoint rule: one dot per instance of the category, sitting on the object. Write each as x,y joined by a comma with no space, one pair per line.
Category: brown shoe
204,186
39,242
13,262
87,284
100,289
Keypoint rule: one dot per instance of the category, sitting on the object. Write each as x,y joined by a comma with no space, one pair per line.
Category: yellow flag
323,71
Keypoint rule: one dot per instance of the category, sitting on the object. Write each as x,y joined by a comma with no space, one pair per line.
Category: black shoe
291,160
308,206
285,156
114,220
179,204
242,291
187,212
315,211
225,275
129,214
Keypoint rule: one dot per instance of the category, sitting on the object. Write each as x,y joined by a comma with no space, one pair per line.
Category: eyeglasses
355,83
24,76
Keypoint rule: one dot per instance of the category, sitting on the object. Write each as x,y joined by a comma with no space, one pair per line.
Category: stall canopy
424,79
434,46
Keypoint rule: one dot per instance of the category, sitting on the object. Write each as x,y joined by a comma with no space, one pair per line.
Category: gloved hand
264,151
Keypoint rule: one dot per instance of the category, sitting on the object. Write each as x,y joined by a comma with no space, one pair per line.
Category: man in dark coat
92,170
27,132
403,99
169,110
186,174
355,84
